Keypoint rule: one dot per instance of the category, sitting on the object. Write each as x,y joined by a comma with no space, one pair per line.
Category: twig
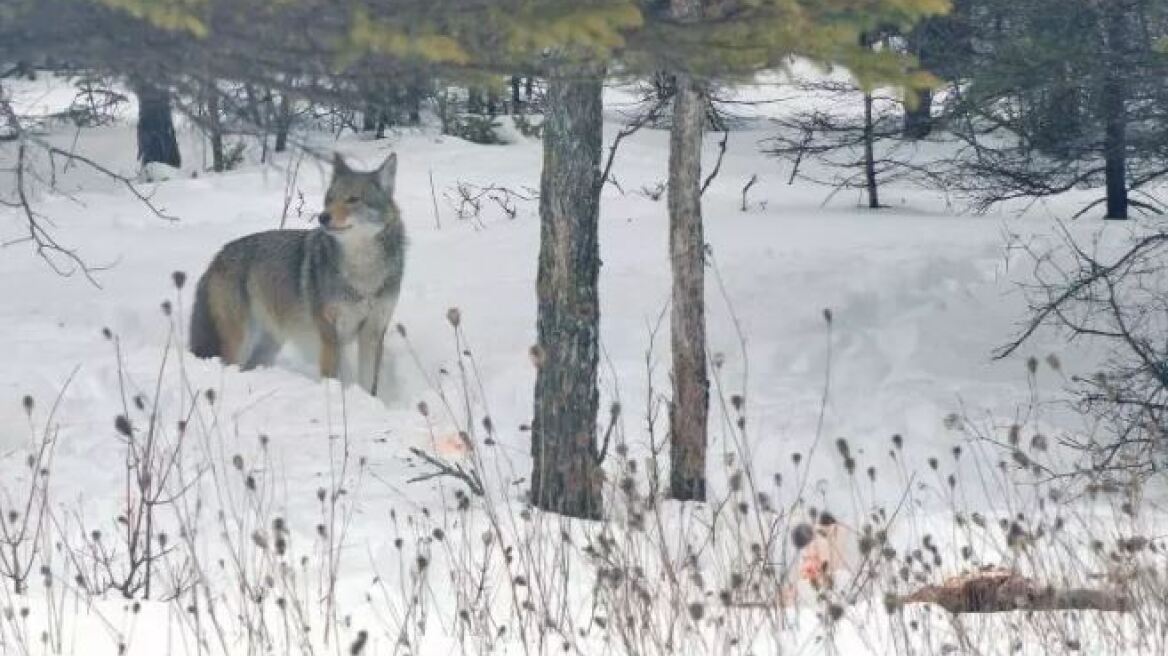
471,479
746,189
289,187
718,163
46,245
628,130
126,182
434,200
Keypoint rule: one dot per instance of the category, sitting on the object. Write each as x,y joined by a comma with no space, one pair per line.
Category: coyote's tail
204,336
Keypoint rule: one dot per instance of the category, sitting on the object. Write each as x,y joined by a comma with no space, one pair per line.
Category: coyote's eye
352,200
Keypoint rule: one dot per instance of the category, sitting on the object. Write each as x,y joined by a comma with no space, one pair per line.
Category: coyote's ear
339,165
387,172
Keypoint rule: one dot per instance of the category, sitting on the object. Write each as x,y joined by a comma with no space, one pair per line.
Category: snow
919,299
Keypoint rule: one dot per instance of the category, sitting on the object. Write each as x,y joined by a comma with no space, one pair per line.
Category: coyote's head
359,202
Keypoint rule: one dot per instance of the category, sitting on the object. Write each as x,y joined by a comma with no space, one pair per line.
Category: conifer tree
1059,95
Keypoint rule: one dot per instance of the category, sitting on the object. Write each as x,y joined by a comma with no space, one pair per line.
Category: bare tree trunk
516,100
565,474
283,122
689,409
492,102
918,120
260,115
369,117
414,95
1114,113
215,128
870,154
474,101
156,138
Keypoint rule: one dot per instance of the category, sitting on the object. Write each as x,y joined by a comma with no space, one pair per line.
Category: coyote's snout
320,289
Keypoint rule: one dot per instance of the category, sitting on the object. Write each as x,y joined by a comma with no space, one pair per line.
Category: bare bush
1117,297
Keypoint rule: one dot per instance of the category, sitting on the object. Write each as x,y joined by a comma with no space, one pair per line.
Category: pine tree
1062,94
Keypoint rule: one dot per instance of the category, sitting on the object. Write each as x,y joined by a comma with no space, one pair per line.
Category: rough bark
689,409
1114,114
156,138
565,474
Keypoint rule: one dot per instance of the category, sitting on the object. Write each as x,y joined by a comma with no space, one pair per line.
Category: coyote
320,289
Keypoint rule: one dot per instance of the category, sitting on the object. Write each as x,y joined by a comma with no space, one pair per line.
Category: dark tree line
1035,97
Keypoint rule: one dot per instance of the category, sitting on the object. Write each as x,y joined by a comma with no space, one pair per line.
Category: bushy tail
204,336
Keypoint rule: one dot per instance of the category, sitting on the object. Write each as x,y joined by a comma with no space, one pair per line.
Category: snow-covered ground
919,297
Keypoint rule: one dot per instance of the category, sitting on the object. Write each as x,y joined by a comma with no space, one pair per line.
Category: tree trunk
414,104
1115,114
369,118
283,122
689,409
383,121
870,154
565,474
474,101
156,138
215,129
918,120
516,100
492,102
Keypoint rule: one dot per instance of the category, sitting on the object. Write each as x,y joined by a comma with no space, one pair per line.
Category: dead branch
631,128
468,198
1092,274
442,468
117,177
291,190
746,189
47,247
718,163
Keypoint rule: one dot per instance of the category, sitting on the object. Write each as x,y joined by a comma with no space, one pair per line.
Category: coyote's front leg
330,345
370,348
